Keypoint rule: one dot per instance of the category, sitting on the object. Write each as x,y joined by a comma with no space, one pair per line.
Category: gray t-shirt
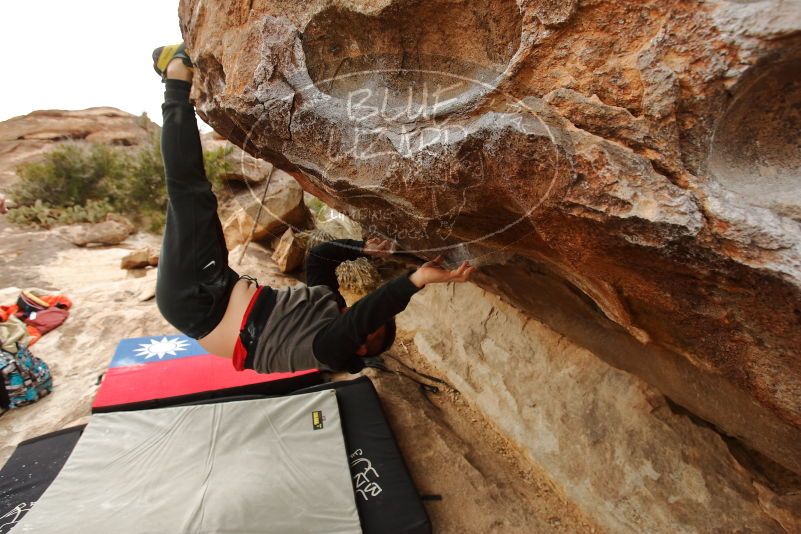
285,343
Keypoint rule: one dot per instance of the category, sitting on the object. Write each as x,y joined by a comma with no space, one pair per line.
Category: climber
258,327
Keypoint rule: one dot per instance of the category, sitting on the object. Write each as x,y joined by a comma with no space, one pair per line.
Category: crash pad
164,370
269,465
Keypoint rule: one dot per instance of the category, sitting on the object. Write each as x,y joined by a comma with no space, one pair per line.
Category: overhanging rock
628,173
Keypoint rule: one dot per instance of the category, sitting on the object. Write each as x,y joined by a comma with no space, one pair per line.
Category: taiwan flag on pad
164,370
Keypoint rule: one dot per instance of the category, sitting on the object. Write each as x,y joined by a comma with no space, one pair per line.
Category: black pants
194,280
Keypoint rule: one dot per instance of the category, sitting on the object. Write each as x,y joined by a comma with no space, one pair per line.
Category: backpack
24,378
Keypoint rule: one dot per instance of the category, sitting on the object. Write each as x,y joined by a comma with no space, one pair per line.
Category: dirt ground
477,482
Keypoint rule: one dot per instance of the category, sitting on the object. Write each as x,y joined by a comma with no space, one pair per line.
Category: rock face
25,138
626,172
609,440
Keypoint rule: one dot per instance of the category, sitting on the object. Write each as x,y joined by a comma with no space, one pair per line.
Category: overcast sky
77,54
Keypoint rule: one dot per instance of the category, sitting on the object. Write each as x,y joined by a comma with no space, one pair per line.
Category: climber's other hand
432,272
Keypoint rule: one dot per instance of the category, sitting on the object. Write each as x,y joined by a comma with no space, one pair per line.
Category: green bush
43,215
69,175
141,187
37,214
80,183
217,164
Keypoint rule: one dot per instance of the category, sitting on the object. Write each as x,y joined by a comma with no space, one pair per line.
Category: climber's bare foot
176,70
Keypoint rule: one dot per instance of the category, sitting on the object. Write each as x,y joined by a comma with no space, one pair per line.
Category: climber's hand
432,273
3,207
379,247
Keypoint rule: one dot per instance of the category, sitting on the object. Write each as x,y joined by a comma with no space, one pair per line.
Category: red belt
240,352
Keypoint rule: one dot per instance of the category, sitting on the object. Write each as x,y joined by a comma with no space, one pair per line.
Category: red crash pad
164,370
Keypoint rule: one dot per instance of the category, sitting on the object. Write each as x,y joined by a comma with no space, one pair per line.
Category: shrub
37,214
43,215
140,190
80,183
69,175
217,165
93,211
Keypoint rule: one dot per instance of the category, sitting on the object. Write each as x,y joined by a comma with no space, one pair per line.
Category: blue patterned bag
24,378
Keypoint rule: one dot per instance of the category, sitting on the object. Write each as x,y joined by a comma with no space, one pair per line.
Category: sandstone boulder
137,259
282,206
242,167
153,258
289,252
639,161
113,231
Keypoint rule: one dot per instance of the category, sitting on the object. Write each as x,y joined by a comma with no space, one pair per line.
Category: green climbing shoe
164,54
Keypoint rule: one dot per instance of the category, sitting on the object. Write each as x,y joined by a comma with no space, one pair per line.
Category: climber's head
378,341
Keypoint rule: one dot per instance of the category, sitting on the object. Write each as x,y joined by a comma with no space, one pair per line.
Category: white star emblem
161,347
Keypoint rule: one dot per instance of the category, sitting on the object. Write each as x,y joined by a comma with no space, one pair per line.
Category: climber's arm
336,344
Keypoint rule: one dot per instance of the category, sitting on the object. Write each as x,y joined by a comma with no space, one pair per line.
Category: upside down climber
261,328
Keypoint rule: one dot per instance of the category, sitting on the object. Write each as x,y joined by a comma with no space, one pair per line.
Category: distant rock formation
25,138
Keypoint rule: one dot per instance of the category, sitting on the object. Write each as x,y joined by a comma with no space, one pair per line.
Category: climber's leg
194,279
